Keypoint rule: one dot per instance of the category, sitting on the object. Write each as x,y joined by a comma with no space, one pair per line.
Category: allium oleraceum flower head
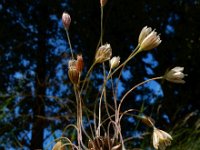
161,139
66,20
73,73
175,75
114,62
148,39
103,53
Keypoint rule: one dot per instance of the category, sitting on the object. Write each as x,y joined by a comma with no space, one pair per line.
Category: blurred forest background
36,97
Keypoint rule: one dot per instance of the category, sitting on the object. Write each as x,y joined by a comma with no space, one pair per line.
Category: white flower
114,62
175,75
103,53
148,39
161,139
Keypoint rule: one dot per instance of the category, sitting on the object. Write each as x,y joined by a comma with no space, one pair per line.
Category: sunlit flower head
175,75
114,62
66,20
73,73
59,146
161,139
103,2
103,53
148,39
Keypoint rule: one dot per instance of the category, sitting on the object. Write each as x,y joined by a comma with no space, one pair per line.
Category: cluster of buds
175,75
75,68
103,54
148,39
161,139
66,20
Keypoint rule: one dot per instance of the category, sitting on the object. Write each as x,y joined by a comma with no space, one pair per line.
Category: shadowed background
36,97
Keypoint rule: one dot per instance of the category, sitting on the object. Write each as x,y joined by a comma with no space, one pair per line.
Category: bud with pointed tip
114,62
80,63
66,20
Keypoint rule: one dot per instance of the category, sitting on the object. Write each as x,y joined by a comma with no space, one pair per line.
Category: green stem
70,46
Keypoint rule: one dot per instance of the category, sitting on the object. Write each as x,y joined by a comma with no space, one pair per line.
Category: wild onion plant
102,139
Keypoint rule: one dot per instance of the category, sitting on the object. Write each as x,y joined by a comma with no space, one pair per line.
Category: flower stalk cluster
148,39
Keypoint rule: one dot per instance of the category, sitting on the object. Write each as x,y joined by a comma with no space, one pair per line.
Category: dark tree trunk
40,86
38,106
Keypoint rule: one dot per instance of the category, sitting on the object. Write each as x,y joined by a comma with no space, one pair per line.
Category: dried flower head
161,139
66,20
148,39
114,62
80,63
59,146
103,2
175,75
73,73
103,53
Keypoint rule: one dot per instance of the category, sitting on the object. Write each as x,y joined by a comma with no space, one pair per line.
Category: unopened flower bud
73,73
114,62
175,75
59,146
103,53
148,39
66,20
80,63
103,2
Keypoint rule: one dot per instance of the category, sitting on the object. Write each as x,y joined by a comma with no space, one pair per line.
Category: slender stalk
87,76
139,84
101,36
70,46
79,116
100,101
